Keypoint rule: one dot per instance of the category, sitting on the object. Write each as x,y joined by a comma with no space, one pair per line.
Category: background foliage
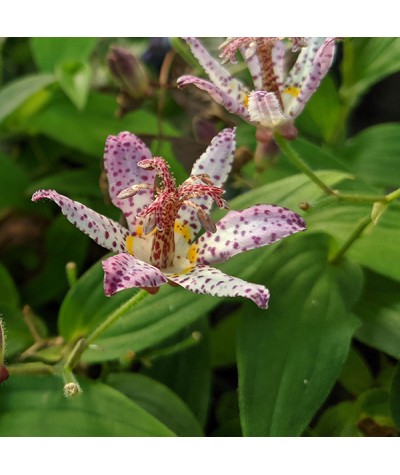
321,361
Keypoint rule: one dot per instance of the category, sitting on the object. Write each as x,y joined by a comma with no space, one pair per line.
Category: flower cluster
279,95
160,243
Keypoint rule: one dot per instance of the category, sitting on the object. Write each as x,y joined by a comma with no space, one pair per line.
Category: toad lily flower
278,96
163,221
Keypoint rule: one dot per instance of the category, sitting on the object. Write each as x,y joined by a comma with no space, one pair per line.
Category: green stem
36,367
393,196
362,225
116,315
299,163
74,356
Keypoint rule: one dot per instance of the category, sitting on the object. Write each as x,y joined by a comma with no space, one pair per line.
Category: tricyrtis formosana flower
279,95
164,220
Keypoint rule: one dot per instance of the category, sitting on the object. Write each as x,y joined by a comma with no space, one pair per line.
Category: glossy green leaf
74,79
356,377
373,155
36,407
18,336
13,181
338,421
290,355
50,52
379,312
223,341
289,191
51,281
8,290
74,183
61,121
159,401
377,248
365,62
187,373
321,113
15,93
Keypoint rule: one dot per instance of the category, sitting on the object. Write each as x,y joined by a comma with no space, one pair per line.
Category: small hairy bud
71,390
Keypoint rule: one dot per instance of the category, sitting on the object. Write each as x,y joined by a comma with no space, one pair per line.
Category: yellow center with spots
246,101
293,91
180,230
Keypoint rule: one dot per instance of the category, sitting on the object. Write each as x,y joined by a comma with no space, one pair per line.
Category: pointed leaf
159,401
36,407
74,79
290,356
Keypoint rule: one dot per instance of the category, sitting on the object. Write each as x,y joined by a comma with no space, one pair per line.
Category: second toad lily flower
279,96
163,220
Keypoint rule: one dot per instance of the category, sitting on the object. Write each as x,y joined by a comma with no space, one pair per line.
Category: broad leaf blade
14,94
290,356
36,407
158,400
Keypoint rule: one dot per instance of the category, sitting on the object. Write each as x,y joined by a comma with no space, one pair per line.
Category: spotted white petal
216,162
233,103
122,154
249,54
217,73
265,110
240,231
321,62
207,280
123,271
104,231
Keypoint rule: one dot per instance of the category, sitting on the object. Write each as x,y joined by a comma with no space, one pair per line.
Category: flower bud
128,72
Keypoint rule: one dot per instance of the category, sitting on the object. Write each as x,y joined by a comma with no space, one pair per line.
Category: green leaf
156,318
50,52
74,79
379,312
14,94
159,401
36,407
289,191
290,356
18,337
8,290
321,113
51,282
365,62
373,155
356,377
74,183
13,181
187,373
338,421
377,248
88,130
223,341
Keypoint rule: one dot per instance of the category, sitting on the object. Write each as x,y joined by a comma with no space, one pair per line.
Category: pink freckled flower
277,96
159,245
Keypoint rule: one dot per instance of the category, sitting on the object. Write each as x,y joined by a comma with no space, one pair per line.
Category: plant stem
362,225
36,367
299,163
74,356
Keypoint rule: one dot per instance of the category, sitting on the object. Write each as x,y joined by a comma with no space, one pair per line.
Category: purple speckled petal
265,110
206,280
235,104
253,64
241,231
315,71
104,231
279,63
121,157
123,271
217,73
216,162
